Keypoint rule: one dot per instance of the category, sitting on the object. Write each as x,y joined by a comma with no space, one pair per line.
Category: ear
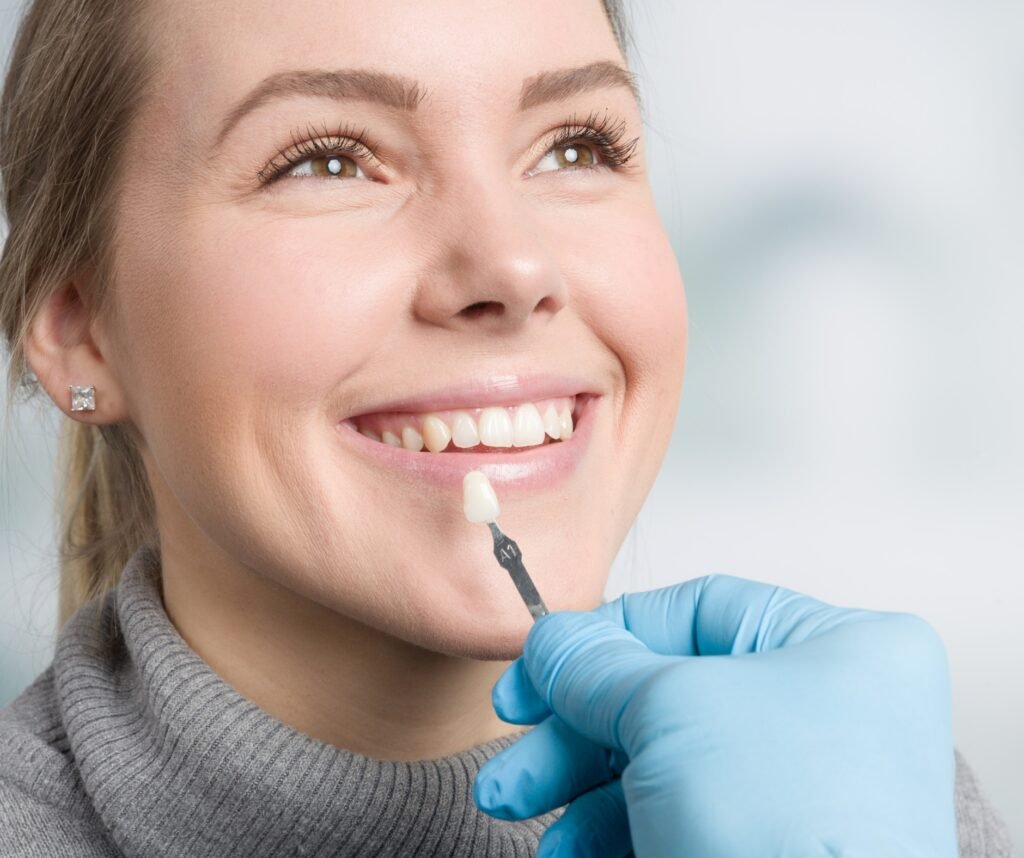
63,348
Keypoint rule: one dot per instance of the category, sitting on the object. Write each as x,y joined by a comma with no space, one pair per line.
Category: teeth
436,434
411,439
565,419
552,424
495,427
464,431
529,427
479,502
528,424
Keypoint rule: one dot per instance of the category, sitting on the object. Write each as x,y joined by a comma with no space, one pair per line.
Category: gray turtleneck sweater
128,744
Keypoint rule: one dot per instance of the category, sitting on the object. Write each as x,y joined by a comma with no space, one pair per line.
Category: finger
595,825
723,615
663,619
588,670
547,768
515,699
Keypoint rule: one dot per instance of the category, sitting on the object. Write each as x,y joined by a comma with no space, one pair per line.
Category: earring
82,398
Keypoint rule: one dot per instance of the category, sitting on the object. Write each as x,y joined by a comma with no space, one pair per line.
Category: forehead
460,52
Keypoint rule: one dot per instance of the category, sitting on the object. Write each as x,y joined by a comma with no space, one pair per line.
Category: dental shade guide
480,504
507,553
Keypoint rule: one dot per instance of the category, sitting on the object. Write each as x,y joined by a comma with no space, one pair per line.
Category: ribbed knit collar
178,763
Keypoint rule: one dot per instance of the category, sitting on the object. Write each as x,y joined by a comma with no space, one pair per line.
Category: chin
467,630
482,630
484,646
485,637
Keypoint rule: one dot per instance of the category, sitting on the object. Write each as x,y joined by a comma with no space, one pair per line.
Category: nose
489,266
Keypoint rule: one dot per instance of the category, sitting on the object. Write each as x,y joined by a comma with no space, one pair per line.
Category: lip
496,390
536,468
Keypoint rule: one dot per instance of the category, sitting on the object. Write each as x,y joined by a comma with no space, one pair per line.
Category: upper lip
508,389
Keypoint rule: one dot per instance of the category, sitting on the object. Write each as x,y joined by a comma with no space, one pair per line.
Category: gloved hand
729,718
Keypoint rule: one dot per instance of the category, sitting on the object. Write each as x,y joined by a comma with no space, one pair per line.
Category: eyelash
604,134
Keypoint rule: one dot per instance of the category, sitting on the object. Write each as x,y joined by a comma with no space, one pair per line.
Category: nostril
482,307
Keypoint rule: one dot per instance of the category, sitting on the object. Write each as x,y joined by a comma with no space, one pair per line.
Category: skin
352,601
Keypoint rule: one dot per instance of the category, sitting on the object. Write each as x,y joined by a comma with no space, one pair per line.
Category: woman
290,274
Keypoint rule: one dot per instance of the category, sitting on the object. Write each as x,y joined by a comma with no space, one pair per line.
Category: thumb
588,669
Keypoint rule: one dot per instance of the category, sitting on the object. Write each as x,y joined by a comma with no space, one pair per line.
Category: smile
514,444
494,427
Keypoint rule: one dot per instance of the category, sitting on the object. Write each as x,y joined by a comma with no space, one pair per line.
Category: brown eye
567,156
574,155
328,166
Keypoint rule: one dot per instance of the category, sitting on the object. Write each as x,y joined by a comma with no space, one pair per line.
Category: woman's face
432,248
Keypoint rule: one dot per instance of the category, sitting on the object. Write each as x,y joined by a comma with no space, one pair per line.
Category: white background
844,188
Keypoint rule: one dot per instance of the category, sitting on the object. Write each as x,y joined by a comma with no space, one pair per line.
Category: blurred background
844,188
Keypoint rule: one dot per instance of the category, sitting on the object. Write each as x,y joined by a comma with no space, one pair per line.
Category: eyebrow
560,84
401,93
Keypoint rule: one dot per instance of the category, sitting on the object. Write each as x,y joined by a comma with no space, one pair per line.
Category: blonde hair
75,80
77,75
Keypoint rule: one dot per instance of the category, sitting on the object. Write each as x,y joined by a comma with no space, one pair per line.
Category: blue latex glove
729,718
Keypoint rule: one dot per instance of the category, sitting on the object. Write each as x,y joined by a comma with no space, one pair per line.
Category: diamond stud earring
83,398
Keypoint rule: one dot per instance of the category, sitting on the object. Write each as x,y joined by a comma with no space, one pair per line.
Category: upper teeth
525,425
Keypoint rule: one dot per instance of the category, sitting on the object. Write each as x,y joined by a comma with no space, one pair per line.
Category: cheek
637,307
650,316
626,286
296,302
280,308
241,339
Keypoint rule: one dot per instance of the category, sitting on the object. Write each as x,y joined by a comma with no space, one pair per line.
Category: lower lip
539,467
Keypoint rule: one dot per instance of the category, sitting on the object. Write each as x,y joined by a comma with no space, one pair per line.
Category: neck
325,674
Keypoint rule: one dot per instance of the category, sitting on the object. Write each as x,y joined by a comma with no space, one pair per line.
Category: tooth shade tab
528,424
479,502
